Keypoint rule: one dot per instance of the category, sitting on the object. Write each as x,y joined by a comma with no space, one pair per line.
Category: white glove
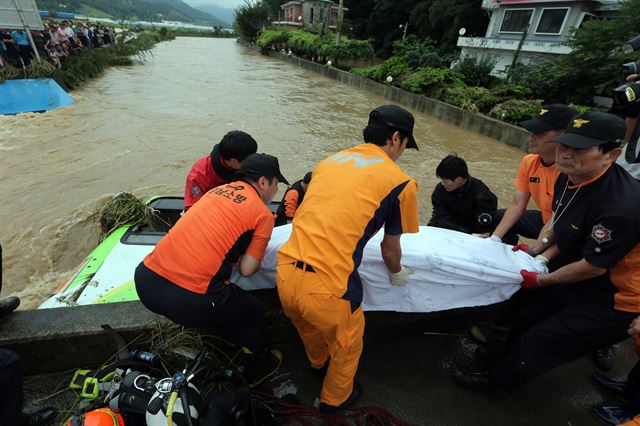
540,258
402,276
495,238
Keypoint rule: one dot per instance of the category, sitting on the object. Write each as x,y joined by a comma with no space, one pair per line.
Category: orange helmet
98,417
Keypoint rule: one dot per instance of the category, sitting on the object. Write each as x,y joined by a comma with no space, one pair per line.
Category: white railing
537,46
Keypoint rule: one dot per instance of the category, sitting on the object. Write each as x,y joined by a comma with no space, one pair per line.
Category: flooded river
139,129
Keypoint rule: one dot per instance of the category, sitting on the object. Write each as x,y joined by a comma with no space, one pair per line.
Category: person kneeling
461,202
186,277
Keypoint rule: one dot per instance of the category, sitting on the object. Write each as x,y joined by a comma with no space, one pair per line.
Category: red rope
297,414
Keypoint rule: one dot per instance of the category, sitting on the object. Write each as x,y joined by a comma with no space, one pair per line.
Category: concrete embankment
479,123
60,339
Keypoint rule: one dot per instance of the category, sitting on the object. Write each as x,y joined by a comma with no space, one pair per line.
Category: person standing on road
354,193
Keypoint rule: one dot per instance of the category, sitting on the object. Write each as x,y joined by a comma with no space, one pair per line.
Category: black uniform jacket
467,209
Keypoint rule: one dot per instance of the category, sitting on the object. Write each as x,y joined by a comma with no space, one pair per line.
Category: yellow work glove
401,277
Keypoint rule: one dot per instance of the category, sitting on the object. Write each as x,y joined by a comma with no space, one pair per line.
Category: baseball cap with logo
393,116
262,165
550,117
592,129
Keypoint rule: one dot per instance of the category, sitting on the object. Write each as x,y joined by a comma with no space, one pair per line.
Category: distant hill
222,13
144,10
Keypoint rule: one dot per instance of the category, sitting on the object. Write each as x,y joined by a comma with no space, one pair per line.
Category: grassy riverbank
88,64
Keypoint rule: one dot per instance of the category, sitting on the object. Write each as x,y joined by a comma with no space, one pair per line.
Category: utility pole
404,33
339,23
516,54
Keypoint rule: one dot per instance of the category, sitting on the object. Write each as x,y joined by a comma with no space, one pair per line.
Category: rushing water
139,129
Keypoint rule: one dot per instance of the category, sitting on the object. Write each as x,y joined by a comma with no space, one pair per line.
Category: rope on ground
298,414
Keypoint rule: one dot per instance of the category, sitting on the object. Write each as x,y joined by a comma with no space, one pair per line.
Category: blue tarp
41,94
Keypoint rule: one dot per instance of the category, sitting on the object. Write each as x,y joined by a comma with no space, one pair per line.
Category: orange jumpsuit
352,195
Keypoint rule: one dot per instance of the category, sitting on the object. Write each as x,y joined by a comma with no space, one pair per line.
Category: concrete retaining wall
61,339
482,124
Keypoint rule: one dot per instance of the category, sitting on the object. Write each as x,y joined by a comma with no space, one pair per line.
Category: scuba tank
132,392
176,400
167,402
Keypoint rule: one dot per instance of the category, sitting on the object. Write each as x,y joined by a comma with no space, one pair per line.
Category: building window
585,17
321,15
515,20
552,20
311,16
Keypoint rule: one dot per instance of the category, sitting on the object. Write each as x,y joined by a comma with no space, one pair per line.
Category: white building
548,24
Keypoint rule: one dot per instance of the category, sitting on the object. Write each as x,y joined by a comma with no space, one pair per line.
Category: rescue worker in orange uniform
353,194
291,199
219,167
536,176
592,241
186,276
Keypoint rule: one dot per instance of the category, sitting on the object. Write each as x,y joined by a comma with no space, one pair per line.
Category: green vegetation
122,209
155,11
311,46
433,81
460,86
516,110
88,64
594,65
217,32
420,62
272,37
251,17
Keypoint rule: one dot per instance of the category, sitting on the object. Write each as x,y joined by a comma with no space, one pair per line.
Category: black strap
304,266
630,153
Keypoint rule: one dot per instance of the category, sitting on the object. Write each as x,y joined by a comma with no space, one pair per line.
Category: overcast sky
230,4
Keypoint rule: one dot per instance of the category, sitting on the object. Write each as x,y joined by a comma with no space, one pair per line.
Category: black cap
262,165
592,129
395,117
550,117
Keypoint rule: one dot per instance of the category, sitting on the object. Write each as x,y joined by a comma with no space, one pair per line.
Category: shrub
506,91
584,108
418,53
303,43
515,110
347,49
477,69
368,72
476,99
430,80
272,36
395,67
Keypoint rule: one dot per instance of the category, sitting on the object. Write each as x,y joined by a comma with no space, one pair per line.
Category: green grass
87,10
83,66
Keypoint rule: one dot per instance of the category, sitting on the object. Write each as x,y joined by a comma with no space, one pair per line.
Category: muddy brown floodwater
139,129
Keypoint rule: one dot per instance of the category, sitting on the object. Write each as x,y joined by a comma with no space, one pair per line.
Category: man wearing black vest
291,200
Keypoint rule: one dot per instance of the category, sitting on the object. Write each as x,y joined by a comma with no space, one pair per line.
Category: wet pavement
409,373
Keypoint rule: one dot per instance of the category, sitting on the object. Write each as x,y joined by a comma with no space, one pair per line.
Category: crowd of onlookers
58,40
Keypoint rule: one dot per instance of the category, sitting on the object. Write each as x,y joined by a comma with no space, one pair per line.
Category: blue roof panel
34,95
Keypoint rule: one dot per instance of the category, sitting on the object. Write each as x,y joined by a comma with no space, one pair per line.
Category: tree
251,17
439,20
594,63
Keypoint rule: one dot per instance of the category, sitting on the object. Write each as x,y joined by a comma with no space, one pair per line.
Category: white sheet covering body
452,270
